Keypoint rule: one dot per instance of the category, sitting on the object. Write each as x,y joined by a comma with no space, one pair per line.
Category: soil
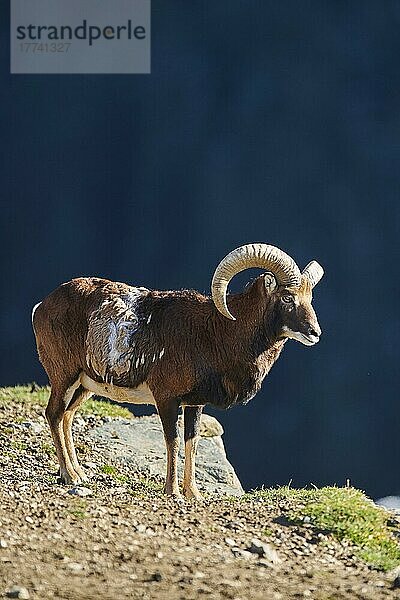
127,540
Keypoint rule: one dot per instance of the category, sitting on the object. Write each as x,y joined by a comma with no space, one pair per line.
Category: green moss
35,397
108,469
114,473
121,478
346,513
48,449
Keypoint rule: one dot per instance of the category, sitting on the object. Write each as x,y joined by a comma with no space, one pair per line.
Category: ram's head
288,291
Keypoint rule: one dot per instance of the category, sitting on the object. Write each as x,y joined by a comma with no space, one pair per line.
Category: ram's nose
314,330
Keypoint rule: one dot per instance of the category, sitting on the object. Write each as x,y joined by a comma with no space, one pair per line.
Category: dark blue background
261,121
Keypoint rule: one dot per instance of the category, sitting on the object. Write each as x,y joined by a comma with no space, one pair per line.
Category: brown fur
175,342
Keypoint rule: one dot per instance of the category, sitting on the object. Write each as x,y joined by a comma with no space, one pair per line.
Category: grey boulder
139,443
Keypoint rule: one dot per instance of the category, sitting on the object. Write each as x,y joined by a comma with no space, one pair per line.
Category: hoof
177,496
82,475
193,494
69,478
178,499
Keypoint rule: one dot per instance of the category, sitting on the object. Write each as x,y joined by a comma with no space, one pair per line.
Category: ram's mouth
303,338
308,340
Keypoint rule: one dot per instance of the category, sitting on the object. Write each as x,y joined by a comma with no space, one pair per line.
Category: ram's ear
270,282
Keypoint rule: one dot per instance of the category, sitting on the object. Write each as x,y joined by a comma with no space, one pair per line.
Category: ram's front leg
192,418
168,411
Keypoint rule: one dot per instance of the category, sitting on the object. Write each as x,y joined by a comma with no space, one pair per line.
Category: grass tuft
114,473
347,514
34,396
109,469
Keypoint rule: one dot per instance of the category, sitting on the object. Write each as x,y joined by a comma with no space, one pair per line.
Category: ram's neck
246,348
253,335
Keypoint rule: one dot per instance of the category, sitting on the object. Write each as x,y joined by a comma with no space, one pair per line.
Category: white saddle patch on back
109,344
139,395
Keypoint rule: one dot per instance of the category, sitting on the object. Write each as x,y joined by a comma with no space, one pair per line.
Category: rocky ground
119,537
138,445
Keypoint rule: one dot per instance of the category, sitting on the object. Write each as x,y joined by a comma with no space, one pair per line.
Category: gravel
18,591
80,491
119,537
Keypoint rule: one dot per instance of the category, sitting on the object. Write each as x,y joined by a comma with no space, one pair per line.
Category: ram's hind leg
60,397
192,418
79,396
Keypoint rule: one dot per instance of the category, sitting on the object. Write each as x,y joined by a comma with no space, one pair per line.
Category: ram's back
121,334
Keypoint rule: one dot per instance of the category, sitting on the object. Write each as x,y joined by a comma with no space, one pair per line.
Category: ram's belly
139,395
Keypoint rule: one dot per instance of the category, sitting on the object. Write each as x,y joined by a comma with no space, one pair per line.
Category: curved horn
263,256
314,272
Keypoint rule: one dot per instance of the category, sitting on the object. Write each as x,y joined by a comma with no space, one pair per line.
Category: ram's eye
287,299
